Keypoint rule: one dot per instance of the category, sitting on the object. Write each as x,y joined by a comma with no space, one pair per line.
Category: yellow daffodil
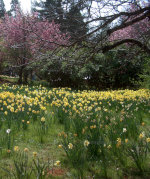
34,154
43,119
86,143
148,139
60,146
70,146
57,163
142,135
16,148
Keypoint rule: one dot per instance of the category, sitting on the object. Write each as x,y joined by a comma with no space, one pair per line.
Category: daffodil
8,131
60,146
26,149
43,119
124,130
6,113
9,151
34,154
70,145
57,163
16,148
148,140
142,135
86,143
118,142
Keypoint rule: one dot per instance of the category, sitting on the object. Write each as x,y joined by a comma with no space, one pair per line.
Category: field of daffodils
100,134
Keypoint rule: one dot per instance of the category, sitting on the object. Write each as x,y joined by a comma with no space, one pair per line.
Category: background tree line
108,46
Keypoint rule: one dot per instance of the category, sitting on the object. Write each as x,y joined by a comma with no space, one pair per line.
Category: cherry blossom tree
24,37
138,33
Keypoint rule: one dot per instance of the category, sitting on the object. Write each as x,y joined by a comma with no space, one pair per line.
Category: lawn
60,133
9,79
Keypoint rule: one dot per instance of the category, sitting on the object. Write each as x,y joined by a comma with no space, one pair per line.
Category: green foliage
146,75
24,169
113,70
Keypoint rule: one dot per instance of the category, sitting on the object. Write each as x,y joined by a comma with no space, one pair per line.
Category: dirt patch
56,172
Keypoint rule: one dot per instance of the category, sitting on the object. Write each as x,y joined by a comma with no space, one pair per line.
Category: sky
25,4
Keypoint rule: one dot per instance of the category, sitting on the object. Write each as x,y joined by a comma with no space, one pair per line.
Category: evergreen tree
75,21
14,4
2,9
64,12
50,9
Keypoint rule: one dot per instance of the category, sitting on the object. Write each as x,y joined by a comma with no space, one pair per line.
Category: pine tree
75,21
14,4
50,9
2,9
70,18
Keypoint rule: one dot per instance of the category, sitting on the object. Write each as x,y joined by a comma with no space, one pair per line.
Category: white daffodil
8,131
124,130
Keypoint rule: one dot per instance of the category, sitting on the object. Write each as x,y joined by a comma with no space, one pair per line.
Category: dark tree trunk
20,75
25,76
31,75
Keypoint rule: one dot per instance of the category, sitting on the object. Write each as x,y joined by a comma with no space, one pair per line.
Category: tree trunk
20,75
25,77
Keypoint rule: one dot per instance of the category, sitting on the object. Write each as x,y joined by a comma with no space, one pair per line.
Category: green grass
48,150
9,79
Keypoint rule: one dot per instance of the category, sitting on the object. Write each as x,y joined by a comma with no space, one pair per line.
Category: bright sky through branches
25,5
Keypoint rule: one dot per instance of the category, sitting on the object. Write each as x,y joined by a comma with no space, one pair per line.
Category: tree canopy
2,9
66,34
102,17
